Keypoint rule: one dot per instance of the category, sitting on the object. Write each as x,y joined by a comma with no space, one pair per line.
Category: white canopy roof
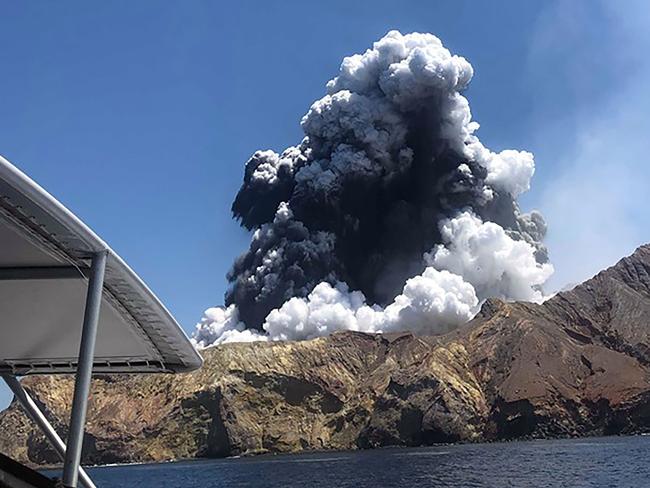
44,257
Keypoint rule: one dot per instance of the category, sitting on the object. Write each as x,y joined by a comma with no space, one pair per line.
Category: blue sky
139,116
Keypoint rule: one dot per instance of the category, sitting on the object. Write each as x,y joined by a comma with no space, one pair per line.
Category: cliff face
579,364
339,392
576,365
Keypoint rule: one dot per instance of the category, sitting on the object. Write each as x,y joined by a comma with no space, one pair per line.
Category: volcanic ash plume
389,215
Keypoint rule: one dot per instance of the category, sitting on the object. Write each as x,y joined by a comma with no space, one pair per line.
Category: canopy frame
50,246
43,273
59,246
39,419
84,370
72,452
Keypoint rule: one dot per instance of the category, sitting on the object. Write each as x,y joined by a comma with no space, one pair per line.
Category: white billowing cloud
283,213
510,171
325,310
478,260
433,302
359,131
373,122
220,325
409,67
269,165
268,169
404,69
487,257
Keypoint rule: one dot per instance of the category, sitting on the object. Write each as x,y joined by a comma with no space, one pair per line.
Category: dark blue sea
596,462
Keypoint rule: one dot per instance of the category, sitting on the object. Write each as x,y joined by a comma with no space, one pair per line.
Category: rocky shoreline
577,365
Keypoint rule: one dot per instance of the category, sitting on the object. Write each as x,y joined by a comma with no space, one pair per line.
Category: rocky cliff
579,364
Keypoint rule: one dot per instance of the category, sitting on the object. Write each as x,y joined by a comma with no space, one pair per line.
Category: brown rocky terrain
579,364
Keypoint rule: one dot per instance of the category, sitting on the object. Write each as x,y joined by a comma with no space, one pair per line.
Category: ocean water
596,462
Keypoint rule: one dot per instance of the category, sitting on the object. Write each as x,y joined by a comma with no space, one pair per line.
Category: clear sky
139,116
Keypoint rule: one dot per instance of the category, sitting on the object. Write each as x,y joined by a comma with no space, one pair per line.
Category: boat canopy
45,260
69,304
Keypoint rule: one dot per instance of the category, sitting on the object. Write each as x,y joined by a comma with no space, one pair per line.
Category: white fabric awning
44,257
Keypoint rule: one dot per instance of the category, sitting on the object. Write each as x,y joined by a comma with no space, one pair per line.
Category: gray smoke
389,214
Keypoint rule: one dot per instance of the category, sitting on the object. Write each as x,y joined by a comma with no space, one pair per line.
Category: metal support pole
84,370
37,416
